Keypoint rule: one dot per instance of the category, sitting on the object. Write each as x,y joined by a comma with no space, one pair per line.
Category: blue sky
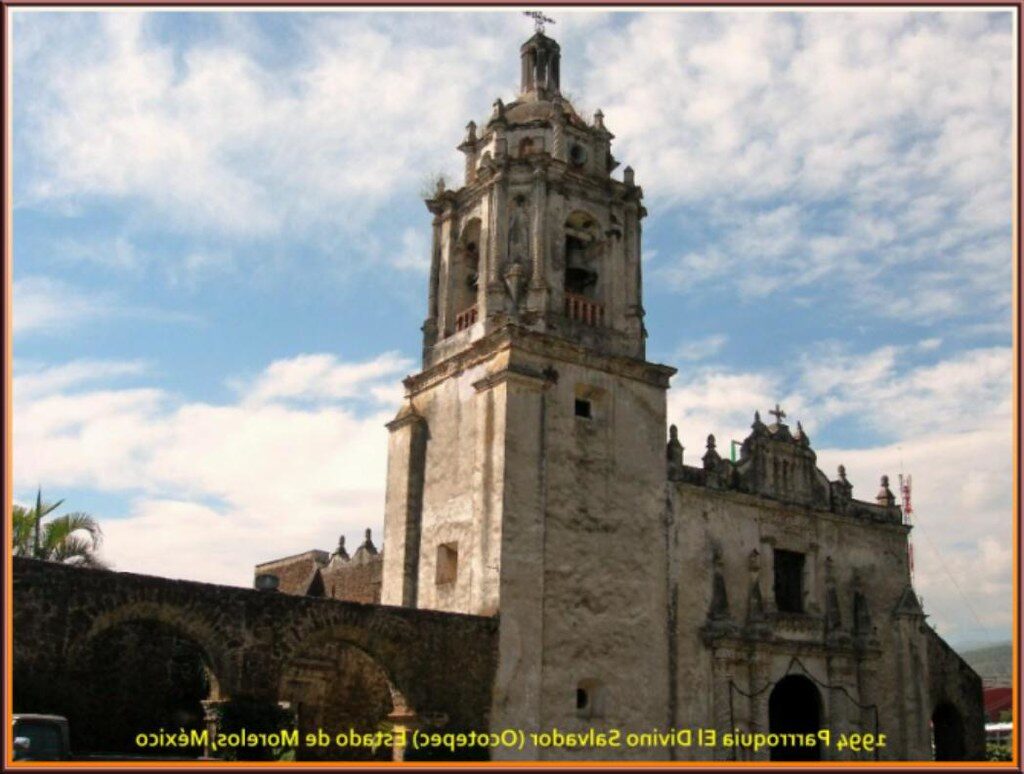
220,257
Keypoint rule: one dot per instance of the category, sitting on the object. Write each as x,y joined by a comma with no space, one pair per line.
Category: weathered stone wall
951,681
733,644
249,639
583,563
354,580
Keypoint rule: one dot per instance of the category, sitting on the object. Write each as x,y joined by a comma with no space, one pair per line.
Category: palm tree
71,538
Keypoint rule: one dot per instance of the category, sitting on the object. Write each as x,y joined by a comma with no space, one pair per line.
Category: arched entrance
794,707
948,734
334,686
137,676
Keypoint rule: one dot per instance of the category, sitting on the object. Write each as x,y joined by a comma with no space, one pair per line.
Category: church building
533,477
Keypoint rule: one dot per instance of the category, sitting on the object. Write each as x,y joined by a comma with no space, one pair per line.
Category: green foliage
997,752
72,538
259,717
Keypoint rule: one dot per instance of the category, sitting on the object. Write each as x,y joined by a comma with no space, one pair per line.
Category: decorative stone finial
629,177
801,435
471,131
675,448
599,119
440,187
340,551
711,459
498,114
757,425
885,496
368,542
842,473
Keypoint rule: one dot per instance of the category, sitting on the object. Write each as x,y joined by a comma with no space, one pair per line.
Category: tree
72,538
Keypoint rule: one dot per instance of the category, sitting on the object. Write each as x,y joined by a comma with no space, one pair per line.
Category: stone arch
135,671
794,707
342,676
188,620
466,269
582,259
949,741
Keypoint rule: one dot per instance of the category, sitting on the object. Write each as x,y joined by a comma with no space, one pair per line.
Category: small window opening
583,408
789,581
589,699
447,563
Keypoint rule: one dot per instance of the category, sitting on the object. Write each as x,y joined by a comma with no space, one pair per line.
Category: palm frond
70,529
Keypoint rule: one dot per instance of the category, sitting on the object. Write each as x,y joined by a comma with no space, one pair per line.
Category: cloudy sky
220,257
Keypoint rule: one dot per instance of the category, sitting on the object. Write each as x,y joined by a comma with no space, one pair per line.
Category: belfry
540,234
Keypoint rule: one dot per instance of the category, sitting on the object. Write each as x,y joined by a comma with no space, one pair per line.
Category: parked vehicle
41,738
46,738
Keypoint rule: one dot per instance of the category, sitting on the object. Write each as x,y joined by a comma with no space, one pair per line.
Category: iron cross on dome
539,20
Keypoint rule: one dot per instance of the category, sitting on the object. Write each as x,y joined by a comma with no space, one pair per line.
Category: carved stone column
721,677
760,674
538,285
404,722
497,244
430,324
211,719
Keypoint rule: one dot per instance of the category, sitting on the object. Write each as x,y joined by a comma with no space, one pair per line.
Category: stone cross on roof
539,20
778,413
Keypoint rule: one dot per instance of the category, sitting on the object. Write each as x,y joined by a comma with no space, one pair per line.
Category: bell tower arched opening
466,275
581,259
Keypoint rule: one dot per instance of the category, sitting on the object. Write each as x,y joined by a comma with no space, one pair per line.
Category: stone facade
529,478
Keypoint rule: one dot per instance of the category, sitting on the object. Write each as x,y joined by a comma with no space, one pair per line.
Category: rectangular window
583,408
447,563
789,581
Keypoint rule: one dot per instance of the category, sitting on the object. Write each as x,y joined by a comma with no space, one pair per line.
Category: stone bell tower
539,234
526,471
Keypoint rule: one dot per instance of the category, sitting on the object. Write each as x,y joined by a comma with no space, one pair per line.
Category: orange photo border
6,36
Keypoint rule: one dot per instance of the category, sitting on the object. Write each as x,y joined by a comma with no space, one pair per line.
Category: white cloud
701,349
823,149
323,377
224,486
43,305
213,139
36,379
